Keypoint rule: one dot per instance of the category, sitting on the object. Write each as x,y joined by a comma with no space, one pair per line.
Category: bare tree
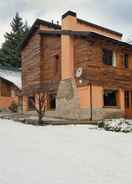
40,103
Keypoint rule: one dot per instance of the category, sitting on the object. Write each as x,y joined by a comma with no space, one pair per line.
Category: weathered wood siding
39,65
89,56
31,62
50,58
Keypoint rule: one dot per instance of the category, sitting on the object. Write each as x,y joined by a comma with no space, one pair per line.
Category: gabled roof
35,26
13,76
39,22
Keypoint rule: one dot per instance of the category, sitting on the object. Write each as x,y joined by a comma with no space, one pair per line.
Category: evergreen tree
10,51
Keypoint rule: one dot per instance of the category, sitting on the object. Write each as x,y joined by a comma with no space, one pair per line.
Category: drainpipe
91,105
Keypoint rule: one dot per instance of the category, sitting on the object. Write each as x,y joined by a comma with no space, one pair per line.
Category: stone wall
67,101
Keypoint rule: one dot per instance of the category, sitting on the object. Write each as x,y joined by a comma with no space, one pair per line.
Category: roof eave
100,27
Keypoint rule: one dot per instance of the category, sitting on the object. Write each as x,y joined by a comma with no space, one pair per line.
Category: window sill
111,107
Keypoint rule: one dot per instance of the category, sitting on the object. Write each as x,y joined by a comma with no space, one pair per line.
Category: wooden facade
89,55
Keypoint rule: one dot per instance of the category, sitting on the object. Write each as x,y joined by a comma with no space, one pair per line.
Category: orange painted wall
97,97
84,94
67,57
121,100
5,102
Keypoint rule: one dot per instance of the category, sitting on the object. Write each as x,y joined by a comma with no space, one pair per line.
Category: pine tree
10,51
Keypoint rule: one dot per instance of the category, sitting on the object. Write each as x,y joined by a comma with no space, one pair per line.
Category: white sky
113,14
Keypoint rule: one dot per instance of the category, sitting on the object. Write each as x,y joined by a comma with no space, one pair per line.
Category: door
128,104
31,100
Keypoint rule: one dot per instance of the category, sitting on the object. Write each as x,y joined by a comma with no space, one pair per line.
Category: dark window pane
127,99
31,100
52,101
126,61
131,99
110,98
56,64
107,56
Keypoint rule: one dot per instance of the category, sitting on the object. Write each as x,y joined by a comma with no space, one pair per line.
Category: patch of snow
12,76
117,125
63,155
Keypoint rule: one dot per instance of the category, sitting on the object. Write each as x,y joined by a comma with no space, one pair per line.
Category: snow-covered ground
63,155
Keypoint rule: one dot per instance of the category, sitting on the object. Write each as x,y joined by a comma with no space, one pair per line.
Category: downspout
91,105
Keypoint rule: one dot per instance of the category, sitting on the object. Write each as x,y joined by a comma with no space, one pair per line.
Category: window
52,101
126,60
127,99
109,57
110,98
31,100
12,92
5,89
56,63
131,97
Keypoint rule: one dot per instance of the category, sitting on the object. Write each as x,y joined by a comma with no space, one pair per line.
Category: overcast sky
114,14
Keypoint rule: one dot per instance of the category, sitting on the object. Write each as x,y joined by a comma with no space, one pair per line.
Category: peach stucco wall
121,100
5,102
97,96
67,57
84,94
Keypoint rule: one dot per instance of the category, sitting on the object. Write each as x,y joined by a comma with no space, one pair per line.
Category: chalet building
10,87
86,69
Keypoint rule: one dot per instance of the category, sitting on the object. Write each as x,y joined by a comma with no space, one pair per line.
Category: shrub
13,107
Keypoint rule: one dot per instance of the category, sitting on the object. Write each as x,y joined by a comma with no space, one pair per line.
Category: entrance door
31,99
128,104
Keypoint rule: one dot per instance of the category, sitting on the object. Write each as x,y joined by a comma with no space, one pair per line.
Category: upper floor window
109,57
126,61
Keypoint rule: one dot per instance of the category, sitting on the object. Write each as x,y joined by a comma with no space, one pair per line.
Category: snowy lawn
63,155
